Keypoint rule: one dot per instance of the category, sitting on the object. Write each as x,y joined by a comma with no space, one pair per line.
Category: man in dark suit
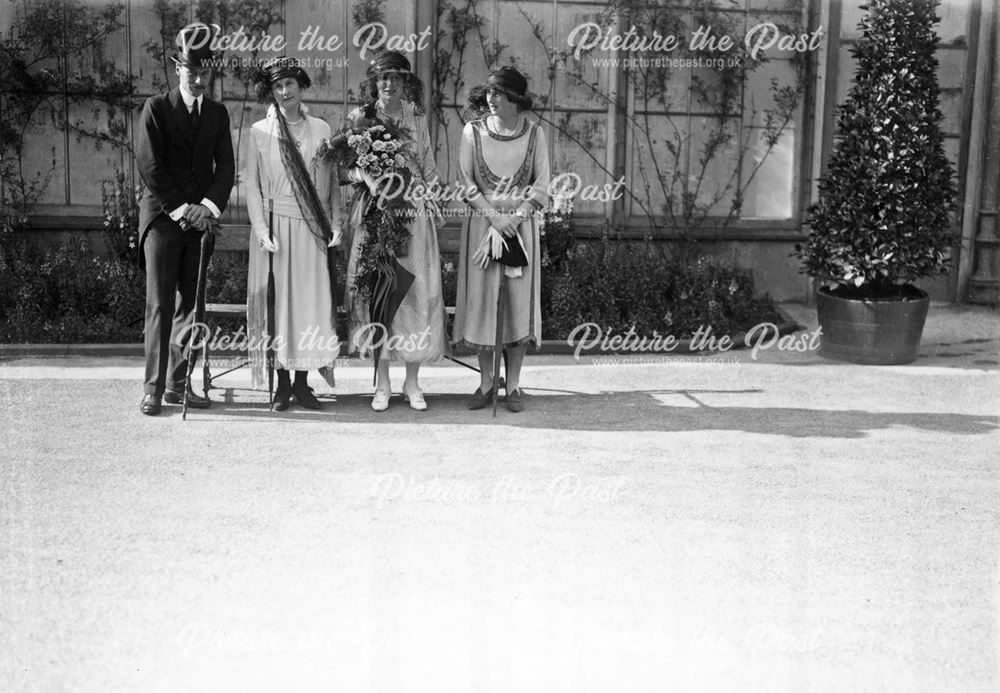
184,154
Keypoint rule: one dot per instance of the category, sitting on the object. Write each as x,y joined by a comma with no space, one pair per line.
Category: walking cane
270,308
199,319
498,346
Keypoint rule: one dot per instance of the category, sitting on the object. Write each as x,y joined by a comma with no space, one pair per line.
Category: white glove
269,245
338,235
263,241
497,243
490,248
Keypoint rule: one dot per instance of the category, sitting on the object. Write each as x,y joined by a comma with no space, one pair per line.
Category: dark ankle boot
283,394
303,393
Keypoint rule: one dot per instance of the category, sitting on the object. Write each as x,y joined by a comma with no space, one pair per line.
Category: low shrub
68,294
618,286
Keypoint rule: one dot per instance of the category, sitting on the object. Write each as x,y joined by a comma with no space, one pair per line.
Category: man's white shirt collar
189,101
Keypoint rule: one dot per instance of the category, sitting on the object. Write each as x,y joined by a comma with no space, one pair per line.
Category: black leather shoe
194,401
514,401
150,405
282,397
304,396
480,399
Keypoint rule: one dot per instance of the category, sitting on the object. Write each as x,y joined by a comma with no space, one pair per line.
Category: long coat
179,165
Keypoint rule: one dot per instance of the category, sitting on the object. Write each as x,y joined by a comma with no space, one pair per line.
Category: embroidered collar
524,171
505,138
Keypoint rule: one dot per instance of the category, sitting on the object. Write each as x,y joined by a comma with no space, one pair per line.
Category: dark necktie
195,116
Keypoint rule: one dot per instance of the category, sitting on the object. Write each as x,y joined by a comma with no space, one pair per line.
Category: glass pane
951,108
579,148
769,176
954,25
761,97
464,33
951,67
658,147
448,124
713,165
661,88
90,152
584,82
44,155
241,117
310,28
777,5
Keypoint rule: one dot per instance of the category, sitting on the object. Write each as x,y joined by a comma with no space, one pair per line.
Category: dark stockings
285,380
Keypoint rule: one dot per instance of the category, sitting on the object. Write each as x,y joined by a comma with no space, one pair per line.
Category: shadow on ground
660,410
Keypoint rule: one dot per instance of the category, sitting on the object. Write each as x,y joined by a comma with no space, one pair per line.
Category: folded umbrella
391,284
270,309
498,345
511,255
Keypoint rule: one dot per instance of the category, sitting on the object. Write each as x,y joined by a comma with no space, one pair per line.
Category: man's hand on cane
198,216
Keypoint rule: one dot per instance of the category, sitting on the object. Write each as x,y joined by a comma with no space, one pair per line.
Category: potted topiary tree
882,219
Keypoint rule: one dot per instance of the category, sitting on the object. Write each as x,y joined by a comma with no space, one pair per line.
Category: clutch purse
512,253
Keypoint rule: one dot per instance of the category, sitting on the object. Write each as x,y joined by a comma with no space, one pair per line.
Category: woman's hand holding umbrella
267,243
338,235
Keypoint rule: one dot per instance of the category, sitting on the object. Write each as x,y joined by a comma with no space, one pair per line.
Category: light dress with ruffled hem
304,310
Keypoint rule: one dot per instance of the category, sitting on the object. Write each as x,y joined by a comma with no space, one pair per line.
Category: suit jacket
178,165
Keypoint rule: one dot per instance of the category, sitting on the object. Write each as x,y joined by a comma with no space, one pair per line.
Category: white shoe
381,400
415,398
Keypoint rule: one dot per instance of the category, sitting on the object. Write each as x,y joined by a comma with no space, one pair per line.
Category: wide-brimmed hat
506,80
194,45
270,71
395,63
388,61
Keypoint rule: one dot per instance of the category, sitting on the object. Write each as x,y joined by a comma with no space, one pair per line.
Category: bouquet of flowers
376,147
383,152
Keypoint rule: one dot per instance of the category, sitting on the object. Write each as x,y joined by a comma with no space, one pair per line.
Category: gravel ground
779,523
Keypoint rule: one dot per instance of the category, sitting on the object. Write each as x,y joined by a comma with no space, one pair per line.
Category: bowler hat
194,45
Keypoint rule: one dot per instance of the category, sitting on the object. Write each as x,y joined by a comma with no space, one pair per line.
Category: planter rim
827,291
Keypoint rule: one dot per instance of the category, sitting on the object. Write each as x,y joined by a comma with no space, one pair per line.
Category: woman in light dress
417,334
504,158
293,201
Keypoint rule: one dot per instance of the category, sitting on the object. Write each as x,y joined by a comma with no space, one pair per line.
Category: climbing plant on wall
680,180
52,59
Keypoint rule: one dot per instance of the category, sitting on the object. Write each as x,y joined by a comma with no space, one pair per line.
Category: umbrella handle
498,346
